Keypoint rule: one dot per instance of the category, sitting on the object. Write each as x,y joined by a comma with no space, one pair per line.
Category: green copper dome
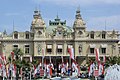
57,23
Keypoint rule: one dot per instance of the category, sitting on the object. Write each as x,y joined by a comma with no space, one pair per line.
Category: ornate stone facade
53,40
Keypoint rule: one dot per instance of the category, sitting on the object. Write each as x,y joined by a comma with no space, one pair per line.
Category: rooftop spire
5,32
78,8
78,15
37,14
57,18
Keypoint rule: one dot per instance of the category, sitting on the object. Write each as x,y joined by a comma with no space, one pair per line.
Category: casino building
53,40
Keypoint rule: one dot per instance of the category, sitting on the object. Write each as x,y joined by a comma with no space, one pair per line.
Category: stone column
65,48
76,48
54,48
35,49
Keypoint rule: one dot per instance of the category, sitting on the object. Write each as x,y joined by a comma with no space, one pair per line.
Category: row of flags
100,65
3,57
97,56
11,67
70,51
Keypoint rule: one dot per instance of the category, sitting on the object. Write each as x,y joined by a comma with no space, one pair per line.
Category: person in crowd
63,71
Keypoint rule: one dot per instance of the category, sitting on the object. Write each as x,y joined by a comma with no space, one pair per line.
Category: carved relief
59,31
39,48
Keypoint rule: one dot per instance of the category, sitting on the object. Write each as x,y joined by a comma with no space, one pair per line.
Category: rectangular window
59,49
27,49
49,49
91,50
103,50
27,36
15,36
15,46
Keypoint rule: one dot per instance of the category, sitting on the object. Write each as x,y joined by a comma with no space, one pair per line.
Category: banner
97,54
71,52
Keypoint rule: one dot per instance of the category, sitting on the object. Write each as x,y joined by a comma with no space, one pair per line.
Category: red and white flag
0,66
12,54
30,58
104,59
100,69
21,71
35,70
14,70
97,54
71,52
3,58
91,68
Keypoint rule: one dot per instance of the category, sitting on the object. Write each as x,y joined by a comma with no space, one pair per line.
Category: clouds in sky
111,22
78,2
94,12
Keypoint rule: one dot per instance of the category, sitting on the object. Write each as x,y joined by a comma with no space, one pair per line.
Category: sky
96,13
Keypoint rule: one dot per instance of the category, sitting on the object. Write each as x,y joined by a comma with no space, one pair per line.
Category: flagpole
30,74
70,64
50,59
30,67
97,59
11,64
21,72
42,58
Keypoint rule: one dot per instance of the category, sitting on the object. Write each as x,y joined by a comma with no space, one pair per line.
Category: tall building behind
53,40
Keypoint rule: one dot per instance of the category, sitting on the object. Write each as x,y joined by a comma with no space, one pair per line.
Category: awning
92,45
103,45
49,46
60,46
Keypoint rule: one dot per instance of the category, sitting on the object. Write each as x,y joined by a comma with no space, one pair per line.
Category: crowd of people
50,69
62,69
8,72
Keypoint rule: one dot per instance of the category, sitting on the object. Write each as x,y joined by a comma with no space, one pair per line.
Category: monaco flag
3,58
97,54
12,54
71,52
30,58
